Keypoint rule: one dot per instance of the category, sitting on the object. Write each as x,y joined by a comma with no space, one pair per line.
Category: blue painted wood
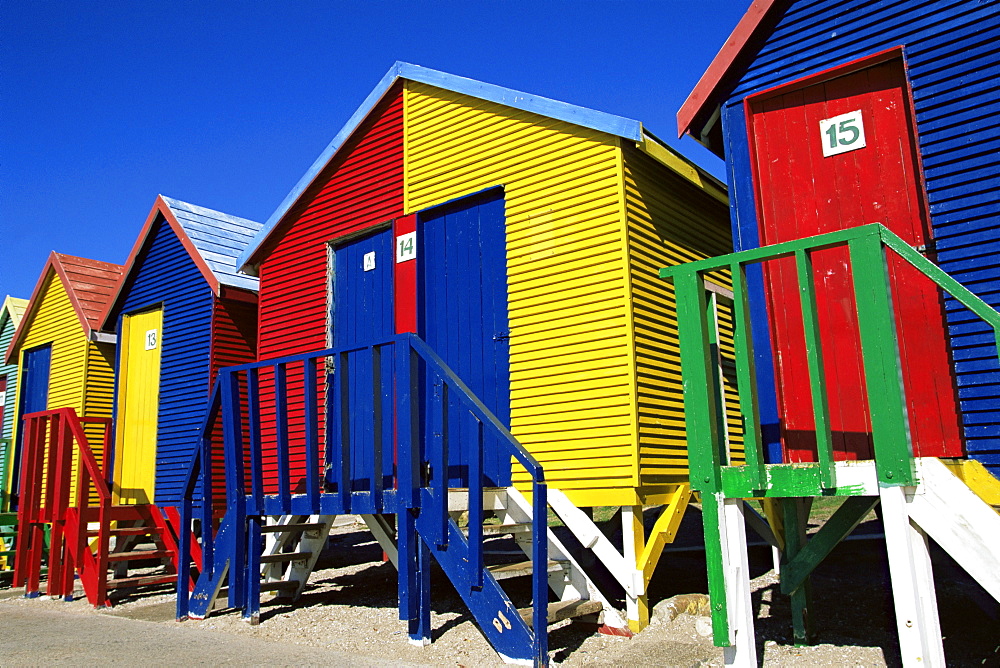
462,312
251,606
362,313
952,53
34,397
165,275
281,432
745,236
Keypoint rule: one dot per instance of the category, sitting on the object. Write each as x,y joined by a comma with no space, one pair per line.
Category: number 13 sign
843,133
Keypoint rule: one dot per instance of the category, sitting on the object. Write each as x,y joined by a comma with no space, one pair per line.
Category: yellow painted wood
675,215
138,405
978,479
570,347
664,530
55,322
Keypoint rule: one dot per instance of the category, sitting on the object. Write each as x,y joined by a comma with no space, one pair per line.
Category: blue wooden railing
386,413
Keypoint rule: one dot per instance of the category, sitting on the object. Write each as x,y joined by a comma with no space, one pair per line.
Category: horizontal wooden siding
571,399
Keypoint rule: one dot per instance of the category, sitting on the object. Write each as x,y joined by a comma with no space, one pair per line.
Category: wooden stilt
795,518
913,592
743,651
633,544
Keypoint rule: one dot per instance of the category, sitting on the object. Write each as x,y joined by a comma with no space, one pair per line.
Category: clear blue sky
104,105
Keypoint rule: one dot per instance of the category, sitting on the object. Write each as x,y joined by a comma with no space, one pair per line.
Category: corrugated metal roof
219,238
89,284
213,240
563,111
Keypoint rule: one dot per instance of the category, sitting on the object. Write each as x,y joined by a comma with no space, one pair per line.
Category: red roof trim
55,264
718,71
160,207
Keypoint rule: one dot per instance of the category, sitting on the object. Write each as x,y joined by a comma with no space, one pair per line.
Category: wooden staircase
123,547
289,548
393,455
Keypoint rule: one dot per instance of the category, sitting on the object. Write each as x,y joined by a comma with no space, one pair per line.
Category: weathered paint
183,265
671,220
950,53
570,357
360,188
10,318
141,340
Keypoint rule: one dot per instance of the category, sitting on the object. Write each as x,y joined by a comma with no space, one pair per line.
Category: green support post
796,518
746,379
880,354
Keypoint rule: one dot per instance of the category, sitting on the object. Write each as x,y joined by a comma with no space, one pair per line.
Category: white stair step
291,527
284,557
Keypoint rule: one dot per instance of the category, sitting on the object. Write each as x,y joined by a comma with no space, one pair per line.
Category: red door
827,155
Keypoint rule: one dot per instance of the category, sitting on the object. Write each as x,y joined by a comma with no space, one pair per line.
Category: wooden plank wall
572,402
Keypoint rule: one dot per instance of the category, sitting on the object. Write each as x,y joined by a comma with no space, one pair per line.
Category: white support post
912,583
743,652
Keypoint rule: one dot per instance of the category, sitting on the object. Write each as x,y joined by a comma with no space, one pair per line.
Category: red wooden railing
53,441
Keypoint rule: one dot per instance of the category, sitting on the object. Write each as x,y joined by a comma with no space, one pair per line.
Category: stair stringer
958,520
311,541
580,585
209,583
494,612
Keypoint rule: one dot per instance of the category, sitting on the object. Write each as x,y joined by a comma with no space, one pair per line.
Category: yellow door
138,402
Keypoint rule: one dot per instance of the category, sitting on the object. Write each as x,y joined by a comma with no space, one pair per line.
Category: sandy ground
348,616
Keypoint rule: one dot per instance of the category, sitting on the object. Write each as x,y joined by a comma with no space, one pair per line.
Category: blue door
34,398
462,307
361,314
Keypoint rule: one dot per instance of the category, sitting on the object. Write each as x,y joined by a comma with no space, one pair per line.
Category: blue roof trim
219,238
563,111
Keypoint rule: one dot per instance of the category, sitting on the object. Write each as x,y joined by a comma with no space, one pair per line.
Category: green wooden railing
704,412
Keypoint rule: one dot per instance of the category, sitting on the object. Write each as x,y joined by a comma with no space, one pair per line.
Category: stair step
141,581
292,526
561,610
136,555
126,531
279,585
505,571
284,556
502,529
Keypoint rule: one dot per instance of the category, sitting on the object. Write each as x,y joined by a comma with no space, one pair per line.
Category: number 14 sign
843,133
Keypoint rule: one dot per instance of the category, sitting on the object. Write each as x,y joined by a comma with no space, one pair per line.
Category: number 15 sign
843,133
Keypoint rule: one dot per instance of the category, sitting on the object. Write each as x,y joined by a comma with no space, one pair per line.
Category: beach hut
181,312
66,363
875,124
10,317
518,238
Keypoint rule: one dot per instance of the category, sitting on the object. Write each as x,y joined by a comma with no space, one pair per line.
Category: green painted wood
715,370
783,481
839,526
880,359
746,377
711,507
795,516
814,359
700,403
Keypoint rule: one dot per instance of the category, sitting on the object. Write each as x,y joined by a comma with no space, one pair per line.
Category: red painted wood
405,281
361,187
800,193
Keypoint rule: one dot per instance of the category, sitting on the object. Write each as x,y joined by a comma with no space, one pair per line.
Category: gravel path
348,616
